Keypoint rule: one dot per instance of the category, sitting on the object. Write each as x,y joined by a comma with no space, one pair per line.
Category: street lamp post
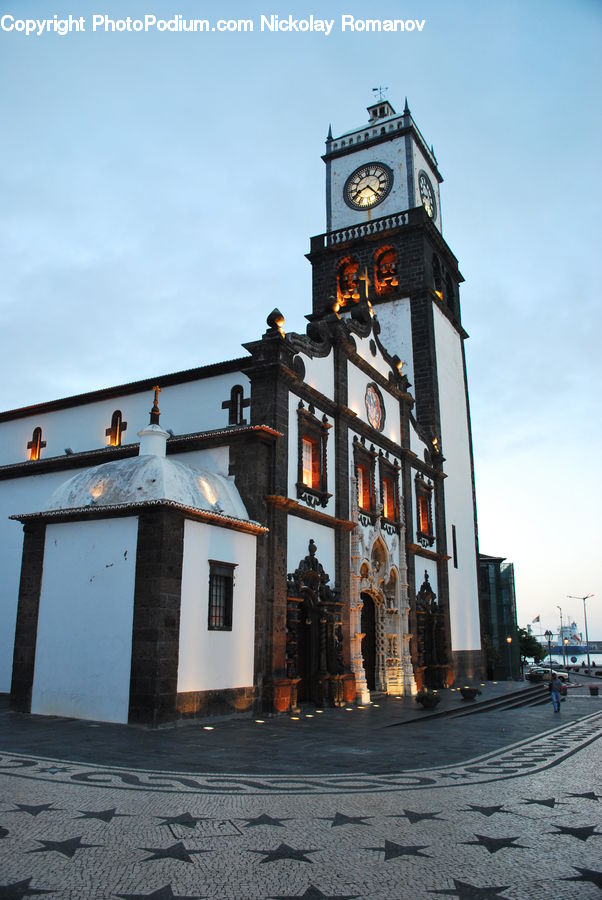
565,658
509,643
587,596
548,636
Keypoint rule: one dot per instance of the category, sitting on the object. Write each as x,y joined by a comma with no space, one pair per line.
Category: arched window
118,426
235,405
36,444
437,278
450,296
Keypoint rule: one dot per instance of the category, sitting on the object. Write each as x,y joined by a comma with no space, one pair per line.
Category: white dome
146,478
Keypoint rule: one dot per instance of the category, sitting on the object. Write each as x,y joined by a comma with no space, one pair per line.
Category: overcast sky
158,192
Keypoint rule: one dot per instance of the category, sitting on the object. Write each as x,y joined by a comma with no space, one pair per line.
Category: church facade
299,526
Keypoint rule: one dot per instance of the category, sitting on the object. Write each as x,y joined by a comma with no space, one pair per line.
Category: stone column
362,694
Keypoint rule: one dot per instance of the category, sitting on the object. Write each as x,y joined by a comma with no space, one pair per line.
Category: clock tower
381,167
384,250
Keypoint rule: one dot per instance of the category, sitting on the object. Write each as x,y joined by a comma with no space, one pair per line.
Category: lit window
311,463
118,426
312,482
388,499
221,589
389,489
363,486
364,465
424,513
424,524
36,444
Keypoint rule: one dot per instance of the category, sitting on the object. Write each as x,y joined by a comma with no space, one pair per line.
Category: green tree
529,646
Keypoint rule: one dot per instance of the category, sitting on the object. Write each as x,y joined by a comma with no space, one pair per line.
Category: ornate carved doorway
368,626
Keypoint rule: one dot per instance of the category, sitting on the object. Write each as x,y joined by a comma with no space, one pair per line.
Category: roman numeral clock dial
427,194
368,186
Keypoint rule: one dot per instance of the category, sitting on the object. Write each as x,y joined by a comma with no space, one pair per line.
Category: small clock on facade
375,407
427,194
368,186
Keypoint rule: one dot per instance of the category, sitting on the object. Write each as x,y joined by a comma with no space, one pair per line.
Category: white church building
297,525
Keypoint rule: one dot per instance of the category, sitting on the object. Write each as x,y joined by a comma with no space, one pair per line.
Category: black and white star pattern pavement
314,893
466,891
162,893
488,828
493,844
175,851
283,851
20,889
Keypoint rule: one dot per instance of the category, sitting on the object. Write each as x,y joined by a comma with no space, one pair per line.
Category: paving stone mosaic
522,823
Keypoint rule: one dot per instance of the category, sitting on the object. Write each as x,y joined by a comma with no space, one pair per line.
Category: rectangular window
221,589
311,463
388,499
312,480
454,547
363,487
424,524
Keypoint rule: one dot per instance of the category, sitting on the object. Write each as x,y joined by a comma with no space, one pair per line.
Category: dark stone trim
156,627
304,512
417,550
134,509
328,194
134,387
425,365
225,702
411,130
26,632
410,170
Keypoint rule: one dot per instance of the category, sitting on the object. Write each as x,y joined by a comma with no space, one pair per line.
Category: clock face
368,186
427,194
375,408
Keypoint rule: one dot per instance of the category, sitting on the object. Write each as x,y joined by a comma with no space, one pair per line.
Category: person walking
555,688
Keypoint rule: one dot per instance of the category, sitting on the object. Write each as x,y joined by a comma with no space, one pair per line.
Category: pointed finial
329,135
155,411
406,109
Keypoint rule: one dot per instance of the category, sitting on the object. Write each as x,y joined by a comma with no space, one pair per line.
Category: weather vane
381,92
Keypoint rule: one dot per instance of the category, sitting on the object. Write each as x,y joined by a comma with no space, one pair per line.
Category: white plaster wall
396,332
377,362
24,495
214,459
319,373
463,588
188,407
84,645
300,532
422,565
417,445
293,450
214,660
21,495
357,383
390,152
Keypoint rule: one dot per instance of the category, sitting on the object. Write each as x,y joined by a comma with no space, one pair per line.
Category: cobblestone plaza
365,803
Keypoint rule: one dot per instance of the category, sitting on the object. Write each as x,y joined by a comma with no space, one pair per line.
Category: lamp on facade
509,644
548,636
